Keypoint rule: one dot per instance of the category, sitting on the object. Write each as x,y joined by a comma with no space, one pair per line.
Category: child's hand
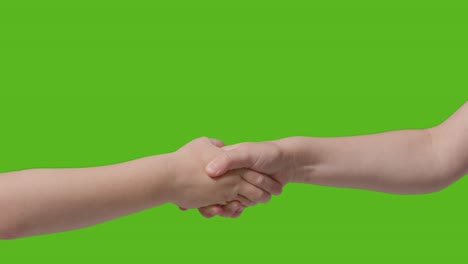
193,188
269,158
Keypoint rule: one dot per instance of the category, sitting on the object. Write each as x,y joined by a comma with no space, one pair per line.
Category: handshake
223,180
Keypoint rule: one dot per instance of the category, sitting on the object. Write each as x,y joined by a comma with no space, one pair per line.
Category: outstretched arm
41,201
405,161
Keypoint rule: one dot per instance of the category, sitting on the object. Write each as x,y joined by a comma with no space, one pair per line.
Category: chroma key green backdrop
86,83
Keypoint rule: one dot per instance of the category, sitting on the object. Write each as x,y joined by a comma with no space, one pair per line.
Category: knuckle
259,180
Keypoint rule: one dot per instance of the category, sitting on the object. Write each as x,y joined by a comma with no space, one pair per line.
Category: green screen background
97,82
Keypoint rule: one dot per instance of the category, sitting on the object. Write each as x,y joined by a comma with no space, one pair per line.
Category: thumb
234,158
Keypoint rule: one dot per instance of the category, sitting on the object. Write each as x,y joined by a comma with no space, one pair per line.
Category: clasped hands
223,180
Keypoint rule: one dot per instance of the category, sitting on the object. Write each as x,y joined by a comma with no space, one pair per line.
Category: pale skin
39,201
402,162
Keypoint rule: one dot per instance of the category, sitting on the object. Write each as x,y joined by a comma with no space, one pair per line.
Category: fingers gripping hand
254,186
233,209
257,188
263,157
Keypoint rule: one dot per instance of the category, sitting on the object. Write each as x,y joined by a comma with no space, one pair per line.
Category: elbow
437,182
433,187
420,183
449,178
441,180
442,168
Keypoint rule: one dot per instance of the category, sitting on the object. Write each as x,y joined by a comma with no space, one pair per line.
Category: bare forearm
398,161
49,200
405,161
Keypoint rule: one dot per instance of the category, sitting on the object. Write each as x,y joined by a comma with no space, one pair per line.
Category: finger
182,209
236,158
262,181
216,142
231,208
244,201
238,213
253,193
210,211
230,147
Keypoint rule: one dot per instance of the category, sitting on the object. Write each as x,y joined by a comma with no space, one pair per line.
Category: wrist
302,156
158,173
177,185
170,162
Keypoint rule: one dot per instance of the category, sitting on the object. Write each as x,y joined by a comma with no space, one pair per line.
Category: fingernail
212,168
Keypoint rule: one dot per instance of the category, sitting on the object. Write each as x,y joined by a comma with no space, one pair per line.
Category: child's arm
406,161
41,201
